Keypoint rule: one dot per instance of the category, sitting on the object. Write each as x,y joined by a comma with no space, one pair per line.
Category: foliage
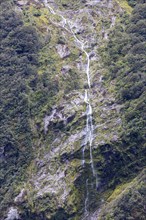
126,61
124,4
127,203
18,60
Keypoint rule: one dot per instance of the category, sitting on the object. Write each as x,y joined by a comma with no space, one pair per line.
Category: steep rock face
59,175
58,185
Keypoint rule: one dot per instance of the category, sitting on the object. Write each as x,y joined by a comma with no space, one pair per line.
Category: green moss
119,189
38,17
127,200
124,4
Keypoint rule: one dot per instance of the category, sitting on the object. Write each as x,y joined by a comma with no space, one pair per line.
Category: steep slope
76,119
127,201
18,59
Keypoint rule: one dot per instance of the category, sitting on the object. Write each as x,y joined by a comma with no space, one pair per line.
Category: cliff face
77,166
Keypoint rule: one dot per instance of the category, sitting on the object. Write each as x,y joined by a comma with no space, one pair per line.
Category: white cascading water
89,123
67,25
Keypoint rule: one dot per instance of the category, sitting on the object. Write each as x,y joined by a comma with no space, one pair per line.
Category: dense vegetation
18,60
125,58
127,63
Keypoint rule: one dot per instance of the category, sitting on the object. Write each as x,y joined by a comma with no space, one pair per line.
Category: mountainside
73,110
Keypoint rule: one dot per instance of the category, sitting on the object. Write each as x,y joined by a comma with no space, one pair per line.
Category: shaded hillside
126,61
125,58
18,59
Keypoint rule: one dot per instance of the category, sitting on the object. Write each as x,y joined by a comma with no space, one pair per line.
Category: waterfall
89,130
67,25
89,121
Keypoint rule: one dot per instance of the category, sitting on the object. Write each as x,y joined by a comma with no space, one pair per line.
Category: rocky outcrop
63,50
22,3
12,214
20,197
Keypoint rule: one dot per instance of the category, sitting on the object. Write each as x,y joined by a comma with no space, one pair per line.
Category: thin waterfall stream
67,25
